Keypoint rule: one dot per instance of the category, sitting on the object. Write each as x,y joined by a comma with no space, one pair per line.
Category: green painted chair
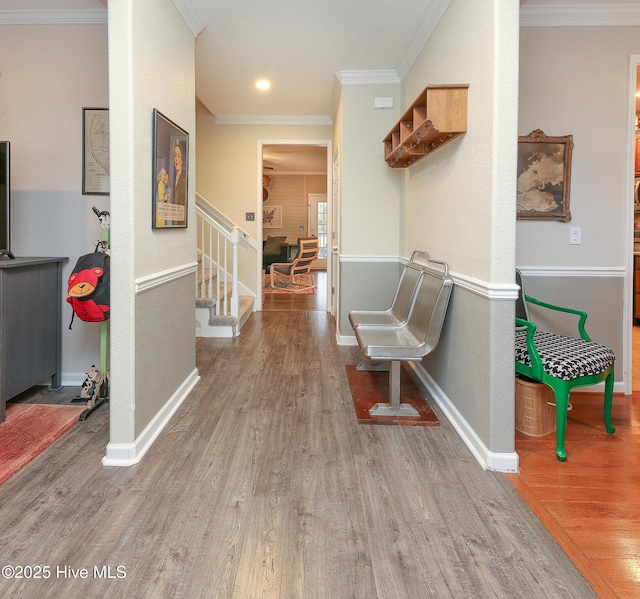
561,362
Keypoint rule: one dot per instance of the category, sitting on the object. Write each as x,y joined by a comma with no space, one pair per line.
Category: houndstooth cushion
565,358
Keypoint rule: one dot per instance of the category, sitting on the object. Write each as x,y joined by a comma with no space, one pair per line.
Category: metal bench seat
413,339
398,313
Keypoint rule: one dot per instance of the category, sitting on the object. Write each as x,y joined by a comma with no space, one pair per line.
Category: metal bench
398,313
412,339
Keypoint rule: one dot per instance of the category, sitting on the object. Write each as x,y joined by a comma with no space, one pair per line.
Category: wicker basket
534,416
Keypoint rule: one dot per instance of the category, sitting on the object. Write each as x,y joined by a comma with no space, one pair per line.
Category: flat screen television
5,199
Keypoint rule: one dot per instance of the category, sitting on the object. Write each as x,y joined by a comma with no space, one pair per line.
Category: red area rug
369,388
28,429
284,286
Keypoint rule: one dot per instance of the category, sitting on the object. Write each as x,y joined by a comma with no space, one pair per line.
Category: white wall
153,310
48,74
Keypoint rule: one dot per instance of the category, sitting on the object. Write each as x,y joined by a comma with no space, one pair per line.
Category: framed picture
95,151
544,176
272,217
170,174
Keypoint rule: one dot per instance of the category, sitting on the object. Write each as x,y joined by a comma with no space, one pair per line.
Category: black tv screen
5,199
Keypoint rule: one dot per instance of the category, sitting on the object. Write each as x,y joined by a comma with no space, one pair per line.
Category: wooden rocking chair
308,248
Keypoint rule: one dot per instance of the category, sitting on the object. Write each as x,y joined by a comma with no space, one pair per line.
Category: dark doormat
369,388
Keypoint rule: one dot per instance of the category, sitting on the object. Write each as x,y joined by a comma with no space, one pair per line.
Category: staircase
223,304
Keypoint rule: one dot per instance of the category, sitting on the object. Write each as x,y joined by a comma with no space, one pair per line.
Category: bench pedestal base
386,409
394,407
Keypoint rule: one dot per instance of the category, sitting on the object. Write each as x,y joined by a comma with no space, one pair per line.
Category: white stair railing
218,241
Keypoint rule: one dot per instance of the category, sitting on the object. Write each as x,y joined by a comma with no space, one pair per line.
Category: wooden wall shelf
438,115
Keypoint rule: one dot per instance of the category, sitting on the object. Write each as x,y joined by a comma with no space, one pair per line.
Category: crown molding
273,119
426,27
367,77
580,15
53,17
190,16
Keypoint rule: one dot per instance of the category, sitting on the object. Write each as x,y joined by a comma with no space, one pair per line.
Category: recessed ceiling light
263,84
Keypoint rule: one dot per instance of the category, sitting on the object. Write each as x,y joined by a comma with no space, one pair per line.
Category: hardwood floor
591,502
264,485
295,301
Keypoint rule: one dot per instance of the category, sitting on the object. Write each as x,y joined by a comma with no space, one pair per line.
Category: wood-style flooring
264,485
298,301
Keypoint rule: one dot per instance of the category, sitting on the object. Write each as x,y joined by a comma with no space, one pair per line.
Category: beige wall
574,81
458,205
228,160
370,190
459,200
148,307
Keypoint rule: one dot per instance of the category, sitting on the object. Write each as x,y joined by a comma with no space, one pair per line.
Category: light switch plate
575,236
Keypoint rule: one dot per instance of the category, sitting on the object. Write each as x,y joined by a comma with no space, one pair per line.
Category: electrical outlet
575,236
250,216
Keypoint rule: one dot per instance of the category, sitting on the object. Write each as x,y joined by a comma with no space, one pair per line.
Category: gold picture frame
544,176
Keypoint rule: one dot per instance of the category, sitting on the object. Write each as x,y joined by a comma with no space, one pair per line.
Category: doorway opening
633,341
295,182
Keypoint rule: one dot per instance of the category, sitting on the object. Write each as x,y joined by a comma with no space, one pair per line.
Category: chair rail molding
148,282
574,271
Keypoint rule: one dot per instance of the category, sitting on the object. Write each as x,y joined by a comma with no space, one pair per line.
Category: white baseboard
346,339
489,460
127,454
73,379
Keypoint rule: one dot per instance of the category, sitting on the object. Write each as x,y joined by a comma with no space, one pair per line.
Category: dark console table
30,324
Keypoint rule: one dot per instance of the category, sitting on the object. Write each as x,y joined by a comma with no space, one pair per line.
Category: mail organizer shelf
438,115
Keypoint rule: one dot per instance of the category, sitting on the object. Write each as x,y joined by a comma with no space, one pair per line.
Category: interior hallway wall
458,204
153,280
49,74
573,81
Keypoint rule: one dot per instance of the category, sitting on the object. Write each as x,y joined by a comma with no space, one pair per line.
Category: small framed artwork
272,217
170,182
95,151
544,177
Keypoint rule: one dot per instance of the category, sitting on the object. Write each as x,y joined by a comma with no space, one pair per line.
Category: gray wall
366,285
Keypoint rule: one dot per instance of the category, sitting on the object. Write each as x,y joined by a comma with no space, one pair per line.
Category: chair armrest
536,361
583,315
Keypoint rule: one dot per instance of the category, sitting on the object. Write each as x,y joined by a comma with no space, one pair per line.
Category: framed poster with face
170,174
